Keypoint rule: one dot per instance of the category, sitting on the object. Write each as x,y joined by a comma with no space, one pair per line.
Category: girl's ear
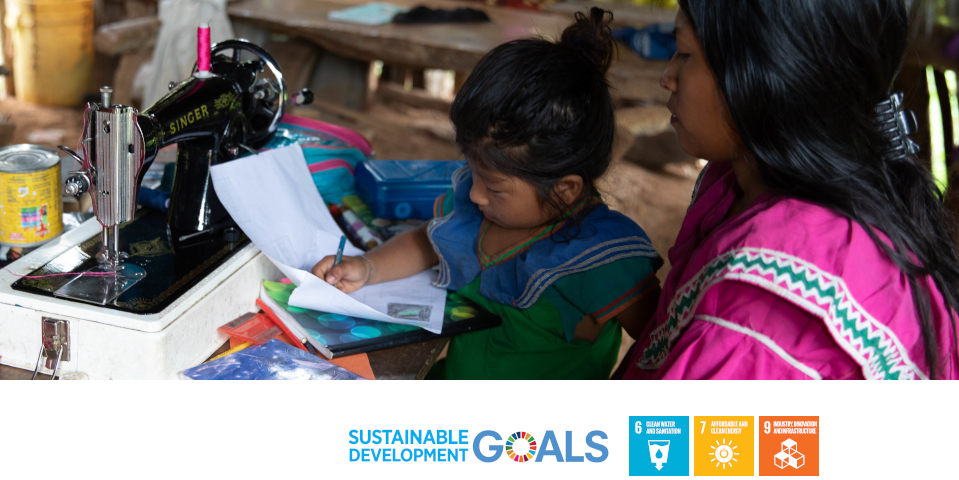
569,188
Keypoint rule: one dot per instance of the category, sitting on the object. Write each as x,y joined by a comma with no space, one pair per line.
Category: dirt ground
41,125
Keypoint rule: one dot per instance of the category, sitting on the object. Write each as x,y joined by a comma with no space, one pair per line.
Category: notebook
274,360
338,335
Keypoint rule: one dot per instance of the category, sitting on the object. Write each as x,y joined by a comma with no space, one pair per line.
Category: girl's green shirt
537,342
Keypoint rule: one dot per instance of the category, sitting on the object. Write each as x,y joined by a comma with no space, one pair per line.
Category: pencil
339,251
235,349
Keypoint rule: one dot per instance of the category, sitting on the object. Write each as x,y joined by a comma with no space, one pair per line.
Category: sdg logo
658,446
522,447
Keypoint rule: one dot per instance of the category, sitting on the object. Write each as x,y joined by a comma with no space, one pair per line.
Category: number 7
703,429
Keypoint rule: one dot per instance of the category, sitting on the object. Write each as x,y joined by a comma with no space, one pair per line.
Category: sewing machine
138,293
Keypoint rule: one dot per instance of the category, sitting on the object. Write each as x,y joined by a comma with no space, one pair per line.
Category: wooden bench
456,47
333,58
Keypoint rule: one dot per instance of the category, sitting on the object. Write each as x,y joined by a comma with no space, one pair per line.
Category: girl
524,233
816,246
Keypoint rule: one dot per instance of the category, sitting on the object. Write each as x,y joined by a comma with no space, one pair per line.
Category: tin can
31,206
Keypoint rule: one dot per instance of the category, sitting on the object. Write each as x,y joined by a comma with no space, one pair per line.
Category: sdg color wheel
521,457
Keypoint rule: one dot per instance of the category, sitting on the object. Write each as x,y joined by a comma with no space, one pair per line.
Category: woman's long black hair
801,79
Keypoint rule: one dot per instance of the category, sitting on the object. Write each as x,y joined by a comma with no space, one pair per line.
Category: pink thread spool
203,50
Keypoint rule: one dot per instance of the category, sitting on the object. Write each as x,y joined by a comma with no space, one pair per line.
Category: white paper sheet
272,198
388,302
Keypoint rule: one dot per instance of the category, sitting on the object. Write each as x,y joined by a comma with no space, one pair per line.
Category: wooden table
624,14
409,362
449,46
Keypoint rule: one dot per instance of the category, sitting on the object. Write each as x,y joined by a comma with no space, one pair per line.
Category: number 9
766,426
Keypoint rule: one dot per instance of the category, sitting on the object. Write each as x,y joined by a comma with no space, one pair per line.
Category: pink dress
785,290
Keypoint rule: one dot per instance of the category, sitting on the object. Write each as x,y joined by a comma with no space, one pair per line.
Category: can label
31,210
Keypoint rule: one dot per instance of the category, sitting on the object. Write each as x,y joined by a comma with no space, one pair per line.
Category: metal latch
55,341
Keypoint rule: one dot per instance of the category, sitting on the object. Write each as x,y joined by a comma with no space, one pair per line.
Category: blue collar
603,237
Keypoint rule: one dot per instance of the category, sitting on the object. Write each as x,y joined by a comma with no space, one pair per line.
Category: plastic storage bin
401,189
53,49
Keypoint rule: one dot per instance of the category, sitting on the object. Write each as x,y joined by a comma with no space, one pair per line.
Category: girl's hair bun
592,38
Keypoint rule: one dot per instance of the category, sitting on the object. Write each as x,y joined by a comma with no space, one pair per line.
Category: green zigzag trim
885,361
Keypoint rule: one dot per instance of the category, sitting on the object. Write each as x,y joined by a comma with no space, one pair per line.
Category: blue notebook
274,360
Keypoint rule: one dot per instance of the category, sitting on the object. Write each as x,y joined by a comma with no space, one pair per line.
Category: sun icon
723,453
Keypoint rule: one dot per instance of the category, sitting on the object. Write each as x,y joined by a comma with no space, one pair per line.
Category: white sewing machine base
110,344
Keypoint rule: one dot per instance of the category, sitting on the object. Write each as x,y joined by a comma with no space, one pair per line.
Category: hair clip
896,126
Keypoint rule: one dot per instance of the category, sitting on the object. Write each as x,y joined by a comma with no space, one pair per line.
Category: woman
815,246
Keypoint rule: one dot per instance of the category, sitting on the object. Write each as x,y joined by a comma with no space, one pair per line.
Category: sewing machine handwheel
275,114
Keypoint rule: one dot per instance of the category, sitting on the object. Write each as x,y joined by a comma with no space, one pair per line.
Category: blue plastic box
401,189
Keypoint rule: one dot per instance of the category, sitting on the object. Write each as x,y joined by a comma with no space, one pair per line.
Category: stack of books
338,335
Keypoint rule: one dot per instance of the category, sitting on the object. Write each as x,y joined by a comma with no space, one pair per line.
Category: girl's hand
349,276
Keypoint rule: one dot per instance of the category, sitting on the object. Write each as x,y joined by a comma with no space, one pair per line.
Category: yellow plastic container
53,49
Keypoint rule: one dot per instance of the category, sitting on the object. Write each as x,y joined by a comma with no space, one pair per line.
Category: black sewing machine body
212,119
